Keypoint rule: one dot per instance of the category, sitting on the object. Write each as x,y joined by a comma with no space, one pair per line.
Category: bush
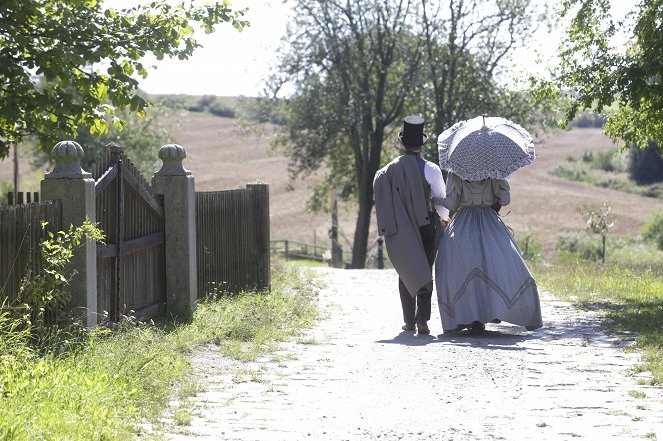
646,165
530,247
652,230
580,247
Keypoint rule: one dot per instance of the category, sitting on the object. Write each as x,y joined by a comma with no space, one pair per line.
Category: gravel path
356,376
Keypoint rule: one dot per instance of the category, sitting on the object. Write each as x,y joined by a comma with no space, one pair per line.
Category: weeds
108,384
628,292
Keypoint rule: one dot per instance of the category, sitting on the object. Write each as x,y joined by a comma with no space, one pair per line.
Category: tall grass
627,289
106,386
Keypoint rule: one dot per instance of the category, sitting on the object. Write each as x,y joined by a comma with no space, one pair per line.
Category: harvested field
222,156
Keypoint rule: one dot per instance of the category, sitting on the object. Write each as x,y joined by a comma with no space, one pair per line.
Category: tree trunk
362,227
365,189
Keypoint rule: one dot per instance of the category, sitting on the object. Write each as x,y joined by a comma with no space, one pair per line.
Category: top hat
413,136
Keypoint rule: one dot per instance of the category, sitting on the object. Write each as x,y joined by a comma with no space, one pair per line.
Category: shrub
580,247
599,221
652,230
646,165
44,295
530,247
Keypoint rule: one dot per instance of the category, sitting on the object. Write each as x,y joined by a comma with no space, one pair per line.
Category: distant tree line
213,104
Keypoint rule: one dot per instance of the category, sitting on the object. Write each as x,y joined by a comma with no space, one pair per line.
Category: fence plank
232,230
20,236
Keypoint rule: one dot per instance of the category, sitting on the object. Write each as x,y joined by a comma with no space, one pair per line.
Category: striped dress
480,274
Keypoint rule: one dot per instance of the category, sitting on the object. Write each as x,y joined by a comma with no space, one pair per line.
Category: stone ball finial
172,156
67,156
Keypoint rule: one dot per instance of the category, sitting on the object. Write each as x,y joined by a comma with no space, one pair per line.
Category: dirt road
356,376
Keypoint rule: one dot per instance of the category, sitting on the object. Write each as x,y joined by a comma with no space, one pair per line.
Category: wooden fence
21,233
298,250
232,230
17,198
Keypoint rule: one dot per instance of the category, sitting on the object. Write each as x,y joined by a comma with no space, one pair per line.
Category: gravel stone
357,376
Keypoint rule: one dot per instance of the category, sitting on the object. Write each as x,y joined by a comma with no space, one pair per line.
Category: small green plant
637,394
182,417
43,296
530,247
599,221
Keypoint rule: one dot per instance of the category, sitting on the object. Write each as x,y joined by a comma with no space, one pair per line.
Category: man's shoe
407,327
423,328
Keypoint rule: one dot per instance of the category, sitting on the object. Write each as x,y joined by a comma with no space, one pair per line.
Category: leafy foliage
67,64
466,46
351,65
44,294
598,71
358,67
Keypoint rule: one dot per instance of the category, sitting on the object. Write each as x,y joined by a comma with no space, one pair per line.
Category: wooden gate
131,263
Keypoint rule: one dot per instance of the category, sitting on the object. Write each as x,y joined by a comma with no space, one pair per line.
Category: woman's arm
502,191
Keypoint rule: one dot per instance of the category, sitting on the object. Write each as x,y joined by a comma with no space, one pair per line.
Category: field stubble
223,156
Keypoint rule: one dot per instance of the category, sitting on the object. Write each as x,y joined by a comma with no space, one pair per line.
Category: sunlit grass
627,290
108,386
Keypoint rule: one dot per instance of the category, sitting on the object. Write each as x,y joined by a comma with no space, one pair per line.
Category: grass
627,290
605,170
122,378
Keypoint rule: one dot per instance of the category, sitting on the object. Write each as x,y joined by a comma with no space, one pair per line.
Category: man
405,216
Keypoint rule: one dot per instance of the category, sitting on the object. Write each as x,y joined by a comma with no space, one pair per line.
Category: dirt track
356,376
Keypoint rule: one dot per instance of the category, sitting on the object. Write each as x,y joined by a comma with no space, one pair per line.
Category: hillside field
223,156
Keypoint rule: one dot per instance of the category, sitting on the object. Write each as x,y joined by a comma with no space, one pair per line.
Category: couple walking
480,275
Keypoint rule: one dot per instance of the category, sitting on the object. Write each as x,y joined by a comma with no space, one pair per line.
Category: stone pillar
72,185
179,198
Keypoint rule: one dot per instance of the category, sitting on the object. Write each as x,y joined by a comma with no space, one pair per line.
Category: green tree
358,66
645,165
613,65
467,43
351,65
66,64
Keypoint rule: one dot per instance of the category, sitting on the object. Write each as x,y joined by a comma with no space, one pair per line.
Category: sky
233,63
230,63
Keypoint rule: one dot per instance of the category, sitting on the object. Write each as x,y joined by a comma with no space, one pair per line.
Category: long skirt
481,276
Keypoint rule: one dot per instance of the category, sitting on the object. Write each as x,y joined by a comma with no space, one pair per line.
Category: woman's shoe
477,328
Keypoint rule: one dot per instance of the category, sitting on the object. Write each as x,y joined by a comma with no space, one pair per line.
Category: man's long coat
401,208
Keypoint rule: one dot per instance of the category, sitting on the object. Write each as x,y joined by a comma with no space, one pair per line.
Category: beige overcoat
401,208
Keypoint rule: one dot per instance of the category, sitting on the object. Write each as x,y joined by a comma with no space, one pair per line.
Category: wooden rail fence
299,250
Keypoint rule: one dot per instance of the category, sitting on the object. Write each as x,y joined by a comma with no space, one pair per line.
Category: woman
480,274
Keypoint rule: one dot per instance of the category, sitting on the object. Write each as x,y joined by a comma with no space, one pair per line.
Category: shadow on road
489,340
507,336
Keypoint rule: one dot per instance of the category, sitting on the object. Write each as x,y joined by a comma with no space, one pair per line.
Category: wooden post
261,210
